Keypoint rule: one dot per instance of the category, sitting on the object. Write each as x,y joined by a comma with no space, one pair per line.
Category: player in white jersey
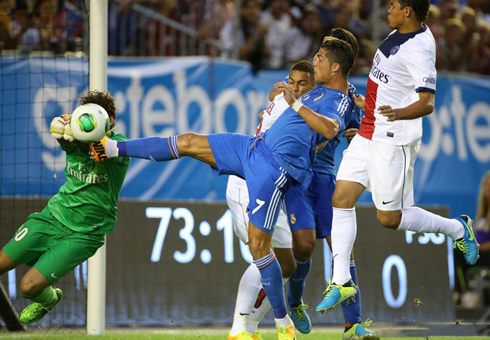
251,305
400,91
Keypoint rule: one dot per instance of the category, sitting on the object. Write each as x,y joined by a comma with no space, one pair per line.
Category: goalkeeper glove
68,135
59,125
97,150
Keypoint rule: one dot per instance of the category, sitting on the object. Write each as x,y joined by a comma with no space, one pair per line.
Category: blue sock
271,274
297,281
153,148
352,309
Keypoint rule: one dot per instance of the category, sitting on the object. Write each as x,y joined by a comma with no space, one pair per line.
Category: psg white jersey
270,115
403,66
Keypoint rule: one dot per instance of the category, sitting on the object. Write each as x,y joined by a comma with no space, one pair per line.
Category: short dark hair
420,7
305,66
101,98
340,52
345,35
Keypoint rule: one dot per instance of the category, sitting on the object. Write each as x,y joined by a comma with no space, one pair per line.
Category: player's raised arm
327,127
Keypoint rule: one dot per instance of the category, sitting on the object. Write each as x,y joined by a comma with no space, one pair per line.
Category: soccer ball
90,123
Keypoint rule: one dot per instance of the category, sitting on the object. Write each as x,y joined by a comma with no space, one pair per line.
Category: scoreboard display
180,263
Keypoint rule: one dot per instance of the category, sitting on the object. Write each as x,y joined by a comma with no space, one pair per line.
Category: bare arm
274,92
422,107
327,127
349,134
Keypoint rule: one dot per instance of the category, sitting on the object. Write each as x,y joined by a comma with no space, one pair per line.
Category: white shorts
237,199
385,170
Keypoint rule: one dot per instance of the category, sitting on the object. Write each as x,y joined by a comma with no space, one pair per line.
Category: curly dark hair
420,7
101,98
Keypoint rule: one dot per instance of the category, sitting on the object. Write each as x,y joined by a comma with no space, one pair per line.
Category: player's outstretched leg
460,229
156,148
354,328
296,289
43,304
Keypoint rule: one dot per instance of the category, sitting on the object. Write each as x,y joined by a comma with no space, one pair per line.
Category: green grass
187,335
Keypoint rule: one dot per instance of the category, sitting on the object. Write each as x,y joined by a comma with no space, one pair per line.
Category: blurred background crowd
267,33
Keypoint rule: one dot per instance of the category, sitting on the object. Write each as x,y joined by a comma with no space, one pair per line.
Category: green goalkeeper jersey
87,202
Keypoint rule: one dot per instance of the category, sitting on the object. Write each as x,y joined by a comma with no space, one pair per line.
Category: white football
90,123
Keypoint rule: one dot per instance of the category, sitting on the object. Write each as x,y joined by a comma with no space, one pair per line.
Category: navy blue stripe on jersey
392,43
425,89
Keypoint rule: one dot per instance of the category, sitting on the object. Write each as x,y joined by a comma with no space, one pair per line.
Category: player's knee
341,201
29,287
389,220
304,248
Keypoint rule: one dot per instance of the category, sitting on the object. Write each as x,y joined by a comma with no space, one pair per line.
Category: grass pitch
189,335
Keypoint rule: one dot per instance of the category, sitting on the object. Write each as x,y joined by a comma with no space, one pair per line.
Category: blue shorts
313,208
250,159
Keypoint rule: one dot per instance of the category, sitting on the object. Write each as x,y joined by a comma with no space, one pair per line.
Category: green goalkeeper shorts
50,247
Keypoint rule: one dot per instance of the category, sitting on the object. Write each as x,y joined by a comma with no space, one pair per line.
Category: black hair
420,7
340,52
305,66
345,35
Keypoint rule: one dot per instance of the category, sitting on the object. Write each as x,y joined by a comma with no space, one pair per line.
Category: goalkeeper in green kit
72,226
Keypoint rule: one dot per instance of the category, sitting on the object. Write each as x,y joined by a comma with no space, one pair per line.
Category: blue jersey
293,142
324,161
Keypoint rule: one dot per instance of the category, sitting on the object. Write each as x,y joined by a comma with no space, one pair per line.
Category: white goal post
98,21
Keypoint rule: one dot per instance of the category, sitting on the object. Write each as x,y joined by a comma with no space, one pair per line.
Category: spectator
471,38
71,19
250,39
326,9
162,40
481,58
482,233
346,16
279,22
221,12
303,41
49,37
5,25
482,220
449,9
452,50
438,31
20,23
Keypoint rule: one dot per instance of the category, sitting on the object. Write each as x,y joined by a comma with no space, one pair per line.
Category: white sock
257,314
421,221
344,230
248,289
111,149
286,321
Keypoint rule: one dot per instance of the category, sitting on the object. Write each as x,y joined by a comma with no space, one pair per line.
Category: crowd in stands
267,33
41,25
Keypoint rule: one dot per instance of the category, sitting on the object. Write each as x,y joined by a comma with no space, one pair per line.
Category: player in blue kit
252,304
271,163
